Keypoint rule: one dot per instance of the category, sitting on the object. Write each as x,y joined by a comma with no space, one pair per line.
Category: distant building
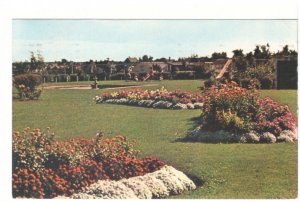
286,75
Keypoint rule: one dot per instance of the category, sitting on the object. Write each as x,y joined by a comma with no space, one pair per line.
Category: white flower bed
252,137
159,184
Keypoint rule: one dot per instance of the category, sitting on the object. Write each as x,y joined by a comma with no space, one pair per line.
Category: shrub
209,82
248,82
263,75
267,82
204,72
27,85
229,107
45,168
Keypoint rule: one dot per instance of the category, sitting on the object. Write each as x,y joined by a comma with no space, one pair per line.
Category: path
88,87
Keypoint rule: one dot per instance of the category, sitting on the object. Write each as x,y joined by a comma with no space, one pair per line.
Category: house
142,68
286,75
175,66
160,65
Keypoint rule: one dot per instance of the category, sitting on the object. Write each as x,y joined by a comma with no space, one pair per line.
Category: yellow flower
114,94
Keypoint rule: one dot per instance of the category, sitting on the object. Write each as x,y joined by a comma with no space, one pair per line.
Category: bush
248,82
267,82
229,107
204,71
45,168
263,75
27,85
210,82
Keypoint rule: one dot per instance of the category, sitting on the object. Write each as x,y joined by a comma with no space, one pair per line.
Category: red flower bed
45,168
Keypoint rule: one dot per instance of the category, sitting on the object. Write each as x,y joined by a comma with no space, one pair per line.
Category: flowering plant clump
273,117
160,98
230,107
46,168
239,111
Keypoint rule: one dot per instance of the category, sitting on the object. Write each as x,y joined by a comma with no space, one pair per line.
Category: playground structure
224,69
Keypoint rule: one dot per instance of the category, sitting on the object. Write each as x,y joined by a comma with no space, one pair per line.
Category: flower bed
159,184
235,114
160,98
46,168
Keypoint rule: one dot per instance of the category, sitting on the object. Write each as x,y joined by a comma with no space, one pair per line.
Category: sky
82,40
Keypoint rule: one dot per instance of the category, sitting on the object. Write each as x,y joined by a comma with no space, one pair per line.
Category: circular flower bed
160,98
235,114
46,168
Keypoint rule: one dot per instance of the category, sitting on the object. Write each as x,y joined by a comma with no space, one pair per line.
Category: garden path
88,87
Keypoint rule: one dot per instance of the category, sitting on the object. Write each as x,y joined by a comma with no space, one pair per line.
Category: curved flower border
160,98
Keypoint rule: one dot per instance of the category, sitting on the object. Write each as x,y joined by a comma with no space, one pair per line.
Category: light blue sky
81,40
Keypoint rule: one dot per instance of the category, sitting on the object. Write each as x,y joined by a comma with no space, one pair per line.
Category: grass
229,170
190,85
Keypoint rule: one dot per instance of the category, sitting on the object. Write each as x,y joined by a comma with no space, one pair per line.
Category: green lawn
190,85
228,170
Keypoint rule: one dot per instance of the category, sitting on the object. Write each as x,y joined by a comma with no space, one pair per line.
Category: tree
194,56
108,70
216,55
20,67
238,53
147,58
250,58
36,62
265,53
239,60
64,60
249,55
293,53
161,60
257,52
285,50
262,52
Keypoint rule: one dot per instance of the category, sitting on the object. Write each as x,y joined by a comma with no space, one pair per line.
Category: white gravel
159,184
